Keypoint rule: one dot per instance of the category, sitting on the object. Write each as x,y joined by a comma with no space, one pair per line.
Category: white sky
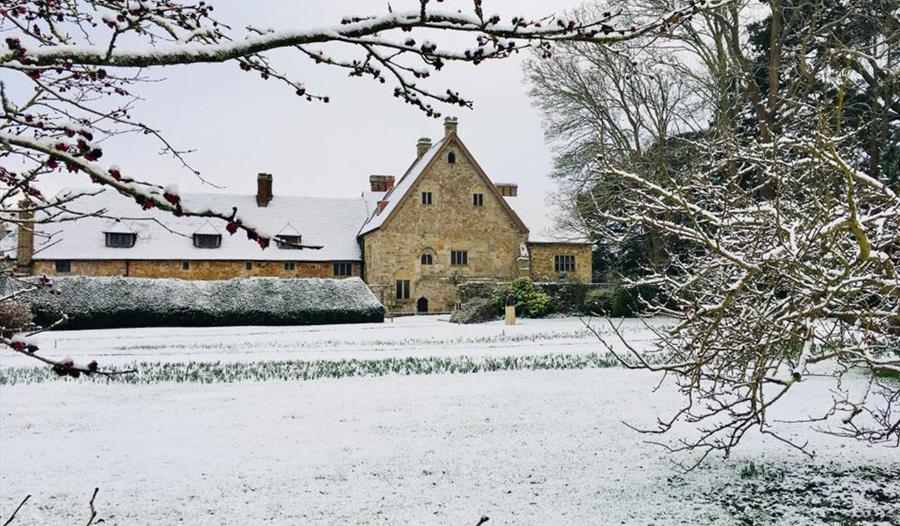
241,125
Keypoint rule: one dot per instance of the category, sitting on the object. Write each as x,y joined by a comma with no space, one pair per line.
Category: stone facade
196,270
488,234
543,261
491,235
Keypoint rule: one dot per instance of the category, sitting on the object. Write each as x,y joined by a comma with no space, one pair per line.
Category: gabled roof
401,190
117,227
396,194
208,230
329,222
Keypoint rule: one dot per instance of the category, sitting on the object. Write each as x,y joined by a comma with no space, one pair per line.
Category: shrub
598,301
478,310
531,301
626,302
14,317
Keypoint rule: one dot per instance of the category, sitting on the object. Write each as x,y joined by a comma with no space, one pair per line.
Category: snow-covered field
519,447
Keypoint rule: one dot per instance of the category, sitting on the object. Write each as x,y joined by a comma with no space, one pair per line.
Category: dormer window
120,239
207,240
288,241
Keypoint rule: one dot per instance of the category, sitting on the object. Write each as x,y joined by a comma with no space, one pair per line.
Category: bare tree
788,222
82,60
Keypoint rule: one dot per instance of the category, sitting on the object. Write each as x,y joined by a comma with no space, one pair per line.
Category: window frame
63,266
216,237
185,264
290,265
478,199
451,158
338,265
563,263
459,258
402,289
427,198
248,265
426,259
130,237
288,241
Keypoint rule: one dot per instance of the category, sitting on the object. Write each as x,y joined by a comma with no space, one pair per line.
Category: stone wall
543,261
488,233
197,269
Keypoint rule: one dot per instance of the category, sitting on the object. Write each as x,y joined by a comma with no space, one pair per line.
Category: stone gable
490,234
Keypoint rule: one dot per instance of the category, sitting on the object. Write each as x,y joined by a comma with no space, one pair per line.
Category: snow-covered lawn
520,447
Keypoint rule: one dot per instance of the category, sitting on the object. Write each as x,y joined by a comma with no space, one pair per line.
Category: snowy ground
520,447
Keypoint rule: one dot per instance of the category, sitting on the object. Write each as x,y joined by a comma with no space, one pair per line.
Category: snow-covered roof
208,229
117,227
9,240
543,221
395,194
329,222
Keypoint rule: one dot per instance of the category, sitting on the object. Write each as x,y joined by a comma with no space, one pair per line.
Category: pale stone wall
488,233
543,261
201,270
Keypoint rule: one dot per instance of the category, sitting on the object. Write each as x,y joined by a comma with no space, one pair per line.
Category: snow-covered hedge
115,302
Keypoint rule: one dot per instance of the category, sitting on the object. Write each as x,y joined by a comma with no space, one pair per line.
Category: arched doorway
422,305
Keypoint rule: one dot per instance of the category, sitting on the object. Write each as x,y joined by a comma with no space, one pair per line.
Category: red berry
231,227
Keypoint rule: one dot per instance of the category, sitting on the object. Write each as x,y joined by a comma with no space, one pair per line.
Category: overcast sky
241,125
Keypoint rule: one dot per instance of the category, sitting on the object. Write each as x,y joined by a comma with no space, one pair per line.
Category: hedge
119,302
570,297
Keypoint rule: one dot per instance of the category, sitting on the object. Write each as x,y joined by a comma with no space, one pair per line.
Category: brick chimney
507,189
381,183
263,189
381,206
450,125
25,240
422,146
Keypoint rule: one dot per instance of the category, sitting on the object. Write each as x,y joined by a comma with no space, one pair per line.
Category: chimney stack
382,205
507,189
381,183
263,189
25,239
450,125
422,146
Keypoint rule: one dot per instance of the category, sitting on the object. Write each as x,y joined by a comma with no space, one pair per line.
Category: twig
19,507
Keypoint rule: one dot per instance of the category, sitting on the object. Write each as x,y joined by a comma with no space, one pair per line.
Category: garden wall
117,302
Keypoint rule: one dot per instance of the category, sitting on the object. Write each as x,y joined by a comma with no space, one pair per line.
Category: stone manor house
412,239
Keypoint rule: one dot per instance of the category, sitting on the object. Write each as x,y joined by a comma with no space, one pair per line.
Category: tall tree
781,194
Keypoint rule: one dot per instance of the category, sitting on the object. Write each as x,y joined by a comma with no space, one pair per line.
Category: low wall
118,302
